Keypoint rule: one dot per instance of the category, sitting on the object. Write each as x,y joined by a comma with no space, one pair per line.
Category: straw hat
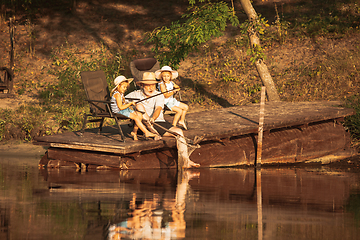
174,73
119,80
149,78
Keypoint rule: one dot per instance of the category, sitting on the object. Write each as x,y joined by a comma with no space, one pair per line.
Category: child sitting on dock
169,88
119,106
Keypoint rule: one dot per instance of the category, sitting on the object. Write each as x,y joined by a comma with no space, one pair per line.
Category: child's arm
168,94
121,106
176,86
163,89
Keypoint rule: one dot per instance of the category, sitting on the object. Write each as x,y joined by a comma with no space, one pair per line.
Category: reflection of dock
293,132
218,199
302,188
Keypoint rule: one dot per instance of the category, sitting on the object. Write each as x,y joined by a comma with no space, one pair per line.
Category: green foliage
2,128
281,26
256,53
254,88
256,26
67,66
173,44
334,20
62,103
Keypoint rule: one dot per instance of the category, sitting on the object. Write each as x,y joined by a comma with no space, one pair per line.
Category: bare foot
134,135
157,138
183,125
152,135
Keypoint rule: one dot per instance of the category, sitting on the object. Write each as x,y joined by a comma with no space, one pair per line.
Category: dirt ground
121,25
116,24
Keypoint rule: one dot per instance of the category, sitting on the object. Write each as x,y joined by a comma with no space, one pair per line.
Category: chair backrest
96,88
139,66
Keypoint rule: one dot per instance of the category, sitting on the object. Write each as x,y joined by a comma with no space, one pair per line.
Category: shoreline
21,149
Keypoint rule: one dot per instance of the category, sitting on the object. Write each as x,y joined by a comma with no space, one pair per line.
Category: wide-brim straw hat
174,73
119,80
149,78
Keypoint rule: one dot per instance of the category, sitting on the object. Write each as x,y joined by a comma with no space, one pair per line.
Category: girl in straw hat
119,106
167,75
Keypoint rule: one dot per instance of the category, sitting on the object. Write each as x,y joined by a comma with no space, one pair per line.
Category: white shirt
151,104
168,86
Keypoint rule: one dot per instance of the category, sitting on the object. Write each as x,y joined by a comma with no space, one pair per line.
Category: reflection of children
166,74
118,105
149,218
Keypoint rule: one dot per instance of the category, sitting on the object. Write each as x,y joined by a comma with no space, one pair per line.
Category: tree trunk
261,67
12,43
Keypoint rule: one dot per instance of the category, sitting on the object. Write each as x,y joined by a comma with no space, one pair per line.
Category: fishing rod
150,96
191,142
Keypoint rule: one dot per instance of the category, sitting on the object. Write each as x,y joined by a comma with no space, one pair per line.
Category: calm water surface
273,203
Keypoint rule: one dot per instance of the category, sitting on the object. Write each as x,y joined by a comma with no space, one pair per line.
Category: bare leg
145,118
137,118
134,132
141,109
182,148
178,113
184,108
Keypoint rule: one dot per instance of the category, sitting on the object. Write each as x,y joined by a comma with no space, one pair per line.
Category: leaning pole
261,67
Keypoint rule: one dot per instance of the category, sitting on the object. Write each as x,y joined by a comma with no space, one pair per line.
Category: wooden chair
98,95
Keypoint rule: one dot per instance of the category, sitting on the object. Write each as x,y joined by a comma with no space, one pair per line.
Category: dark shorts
166,125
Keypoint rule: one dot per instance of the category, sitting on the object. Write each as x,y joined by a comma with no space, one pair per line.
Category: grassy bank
311,56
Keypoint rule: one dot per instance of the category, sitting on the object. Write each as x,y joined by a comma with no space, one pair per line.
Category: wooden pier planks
213,124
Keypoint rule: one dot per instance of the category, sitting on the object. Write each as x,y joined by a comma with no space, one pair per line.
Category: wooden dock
293,132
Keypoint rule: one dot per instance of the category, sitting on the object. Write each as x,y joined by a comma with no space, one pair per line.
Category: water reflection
274,203
155,218
259,203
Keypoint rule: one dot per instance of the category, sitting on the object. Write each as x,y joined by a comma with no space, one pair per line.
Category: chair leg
120,130
84,125
101,124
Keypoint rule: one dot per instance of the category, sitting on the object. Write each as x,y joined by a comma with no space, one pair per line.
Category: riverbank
311,56
19,150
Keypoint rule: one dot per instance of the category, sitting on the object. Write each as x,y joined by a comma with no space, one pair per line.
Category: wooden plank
291,145
213,125
85,157
165,158
287,146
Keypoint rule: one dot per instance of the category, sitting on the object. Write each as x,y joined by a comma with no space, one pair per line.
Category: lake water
271,203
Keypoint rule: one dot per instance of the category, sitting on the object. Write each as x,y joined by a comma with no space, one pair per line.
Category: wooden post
261,128
11,32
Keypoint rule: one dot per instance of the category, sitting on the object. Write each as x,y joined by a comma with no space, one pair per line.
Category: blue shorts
126,112
172,103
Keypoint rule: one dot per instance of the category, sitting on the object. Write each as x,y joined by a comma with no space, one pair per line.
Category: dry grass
310,60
